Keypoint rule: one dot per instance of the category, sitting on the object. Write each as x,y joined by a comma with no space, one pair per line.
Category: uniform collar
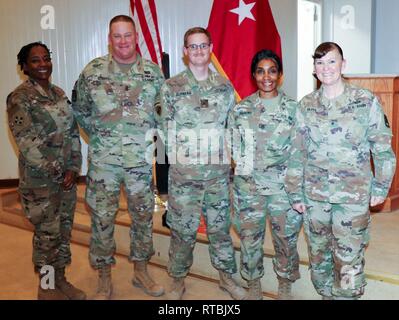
39,88
258,100
194,82
137,66
341,100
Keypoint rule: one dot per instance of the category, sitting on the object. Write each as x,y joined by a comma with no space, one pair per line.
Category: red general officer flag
239,29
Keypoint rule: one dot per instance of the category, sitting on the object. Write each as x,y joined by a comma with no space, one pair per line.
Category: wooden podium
386,87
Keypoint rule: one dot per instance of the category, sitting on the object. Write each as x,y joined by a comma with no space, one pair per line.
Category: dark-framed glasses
194,47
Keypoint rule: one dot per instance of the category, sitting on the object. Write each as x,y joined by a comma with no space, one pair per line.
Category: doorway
309,37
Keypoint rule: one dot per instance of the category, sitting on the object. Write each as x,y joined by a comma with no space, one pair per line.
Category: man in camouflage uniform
114,102
259,189
195,104
330,179
46,133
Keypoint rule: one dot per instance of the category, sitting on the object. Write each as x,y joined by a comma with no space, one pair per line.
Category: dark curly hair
25,50
266,54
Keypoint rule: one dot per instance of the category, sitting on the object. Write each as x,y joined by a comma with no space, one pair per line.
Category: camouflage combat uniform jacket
270,131
200,107
45,132
117,110
330,160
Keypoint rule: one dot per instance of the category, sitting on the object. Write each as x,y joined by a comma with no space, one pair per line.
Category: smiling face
329,68
267,77
123,39
198,56
38,66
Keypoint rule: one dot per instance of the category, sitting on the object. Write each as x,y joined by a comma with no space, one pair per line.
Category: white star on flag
244,11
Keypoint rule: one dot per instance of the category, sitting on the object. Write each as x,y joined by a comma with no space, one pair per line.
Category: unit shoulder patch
19,121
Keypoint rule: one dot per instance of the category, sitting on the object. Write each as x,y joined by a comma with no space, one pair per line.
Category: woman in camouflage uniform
266,118
41,121
329,176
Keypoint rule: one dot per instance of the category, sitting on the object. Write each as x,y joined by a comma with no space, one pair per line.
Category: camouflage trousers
251,210
102,196
51,210
337,238
187,199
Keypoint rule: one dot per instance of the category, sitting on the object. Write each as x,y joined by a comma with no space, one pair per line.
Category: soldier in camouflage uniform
265,118
195,104
329,175
114,102
41,120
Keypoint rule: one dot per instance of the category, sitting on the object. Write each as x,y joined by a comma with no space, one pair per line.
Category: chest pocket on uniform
186,111
211,113
42,120
314,130
143,94
103,93
134,106
273,134
354,128
214,106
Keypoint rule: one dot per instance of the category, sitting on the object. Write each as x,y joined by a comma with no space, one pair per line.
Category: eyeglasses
194,47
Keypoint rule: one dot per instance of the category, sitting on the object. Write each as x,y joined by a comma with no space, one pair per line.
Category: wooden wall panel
386,88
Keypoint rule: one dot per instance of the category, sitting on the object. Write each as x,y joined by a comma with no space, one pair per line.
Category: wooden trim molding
9,183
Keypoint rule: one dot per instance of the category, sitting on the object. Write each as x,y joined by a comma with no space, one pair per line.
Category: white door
309,37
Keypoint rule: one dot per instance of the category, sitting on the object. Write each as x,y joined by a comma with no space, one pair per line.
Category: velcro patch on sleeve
19,121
